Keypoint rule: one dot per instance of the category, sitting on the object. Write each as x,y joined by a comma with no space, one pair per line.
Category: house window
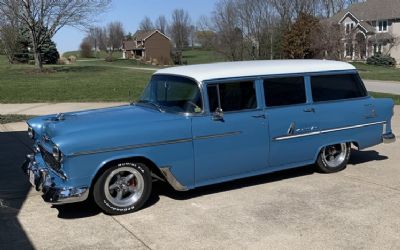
382,26
349,49
378,48
349,27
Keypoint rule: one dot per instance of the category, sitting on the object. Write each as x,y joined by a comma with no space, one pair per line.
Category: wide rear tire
333,158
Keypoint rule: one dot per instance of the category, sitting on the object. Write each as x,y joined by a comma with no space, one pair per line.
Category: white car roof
202,72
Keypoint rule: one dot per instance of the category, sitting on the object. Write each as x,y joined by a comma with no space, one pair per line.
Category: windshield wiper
156,105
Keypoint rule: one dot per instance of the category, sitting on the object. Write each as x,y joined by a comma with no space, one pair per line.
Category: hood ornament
60,117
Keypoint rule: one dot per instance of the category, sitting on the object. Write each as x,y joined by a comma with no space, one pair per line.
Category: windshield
172,94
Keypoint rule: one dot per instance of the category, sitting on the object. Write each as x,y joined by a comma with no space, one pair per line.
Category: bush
381,60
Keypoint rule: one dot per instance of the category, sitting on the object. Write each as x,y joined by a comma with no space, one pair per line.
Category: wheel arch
355,143
139,159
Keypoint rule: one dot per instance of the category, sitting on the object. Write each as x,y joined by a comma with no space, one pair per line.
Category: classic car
205,124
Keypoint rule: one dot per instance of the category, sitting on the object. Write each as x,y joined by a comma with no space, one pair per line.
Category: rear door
292,121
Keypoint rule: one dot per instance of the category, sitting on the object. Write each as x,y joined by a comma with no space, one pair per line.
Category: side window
284,91
233,96
336,87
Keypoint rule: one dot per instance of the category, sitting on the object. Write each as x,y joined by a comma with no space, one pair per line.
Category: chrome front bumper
388,138
53,188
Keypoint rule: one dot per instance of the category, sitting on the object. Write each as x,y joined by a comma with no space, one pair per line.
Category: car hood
91,129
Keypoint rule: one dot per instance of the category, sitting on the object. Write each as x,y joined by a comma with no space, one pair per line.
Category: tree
116,35
162,24
297,42
180,28
43,18
97,36
9,31
146,24
86,48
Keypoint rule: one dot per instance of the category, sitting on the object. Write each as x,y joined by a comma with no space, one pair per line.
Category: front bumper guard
45,181
388,138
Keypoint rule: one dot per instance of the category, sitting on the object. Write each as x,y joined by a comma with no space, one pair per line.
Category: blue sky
130,13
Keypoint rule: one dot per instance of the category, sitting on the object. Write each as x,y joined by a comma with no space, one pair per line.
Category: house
369,28
149,46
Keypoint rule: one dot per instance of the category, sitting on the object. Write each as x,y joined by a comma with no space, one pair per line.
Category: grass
200,56
14,118
371,72
396,98
100,54
69,83
100,81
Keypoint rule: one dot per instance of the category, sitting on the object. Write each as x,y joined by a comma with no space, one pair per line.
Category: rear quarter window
336,87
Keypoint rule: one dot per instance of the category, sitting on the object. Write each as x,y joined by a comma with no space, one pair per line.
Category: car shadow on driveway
14,189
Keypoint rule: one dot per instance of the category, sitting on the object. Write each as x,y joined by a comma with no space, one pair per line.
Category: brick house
370,27
149,46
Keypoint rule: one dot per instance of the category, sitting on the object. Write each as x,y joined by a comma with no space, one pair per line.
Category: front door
234,143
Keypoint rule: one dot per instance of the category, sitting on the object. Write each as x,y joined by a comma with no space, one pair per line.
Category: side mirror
218,115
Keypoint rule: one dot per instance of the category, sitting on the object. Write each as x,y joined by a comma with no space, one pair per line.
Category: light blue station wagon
204,124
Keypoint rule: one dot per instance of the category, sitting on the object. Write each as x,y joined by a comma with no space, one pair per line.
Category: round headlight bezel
31,132
57,154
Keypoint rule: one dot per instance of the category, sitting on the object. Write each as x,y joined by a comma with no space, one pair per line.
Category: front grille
49,159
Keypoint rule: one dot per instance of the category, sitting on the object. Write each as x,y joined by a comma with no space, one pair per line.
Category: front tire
333,158
123,188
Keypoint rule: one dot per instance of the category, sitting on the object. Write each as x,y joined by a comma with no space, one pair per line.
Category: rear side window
284,91
336,87
232,96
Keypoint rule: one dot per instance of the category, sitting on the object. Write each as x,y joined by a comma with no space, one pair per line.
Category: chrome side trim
106,150
287,137
166,171
204,137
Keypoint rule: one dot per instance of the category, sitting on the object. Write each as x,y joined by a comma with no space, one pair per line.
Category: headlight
57,154
31,133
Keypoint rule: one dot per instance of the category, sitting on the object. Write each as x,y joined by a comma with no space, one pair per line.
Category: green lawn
73,83
396,98
370,72
14,118
199,56
97,80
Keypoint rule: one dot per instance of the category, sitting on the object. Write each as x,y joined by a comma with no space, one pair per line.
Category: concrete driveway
358,208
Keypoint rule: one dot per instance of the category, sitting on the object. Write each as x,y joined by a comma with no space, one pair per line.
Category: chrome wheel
124,186
334,155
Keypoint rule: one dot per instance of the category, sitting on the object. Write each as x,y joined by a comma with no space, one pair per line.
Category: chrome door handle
309,110
259,116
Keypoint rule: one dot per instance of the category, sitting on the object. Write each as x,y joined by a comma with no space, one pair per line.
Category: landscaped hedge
381,60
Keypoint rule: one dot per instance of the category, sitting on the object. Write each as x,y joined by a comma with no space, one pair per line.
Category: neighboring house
149,46
369,28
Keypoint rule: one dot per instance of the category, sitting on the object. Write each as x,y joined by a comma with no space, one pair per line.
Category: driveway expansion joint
371,182
131,233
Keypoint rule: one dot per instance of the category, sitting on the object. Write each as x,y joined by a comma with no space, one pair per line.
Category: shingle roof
140,35
372,10
367,26
128,45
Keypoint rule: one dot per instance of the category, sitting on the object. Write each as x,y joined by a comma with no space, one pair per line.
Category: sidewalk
52,108
389,87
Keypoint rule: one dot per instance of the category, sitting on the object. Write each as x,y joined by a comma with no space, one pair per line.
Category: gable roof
211,71
371,10
142,35
128,45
